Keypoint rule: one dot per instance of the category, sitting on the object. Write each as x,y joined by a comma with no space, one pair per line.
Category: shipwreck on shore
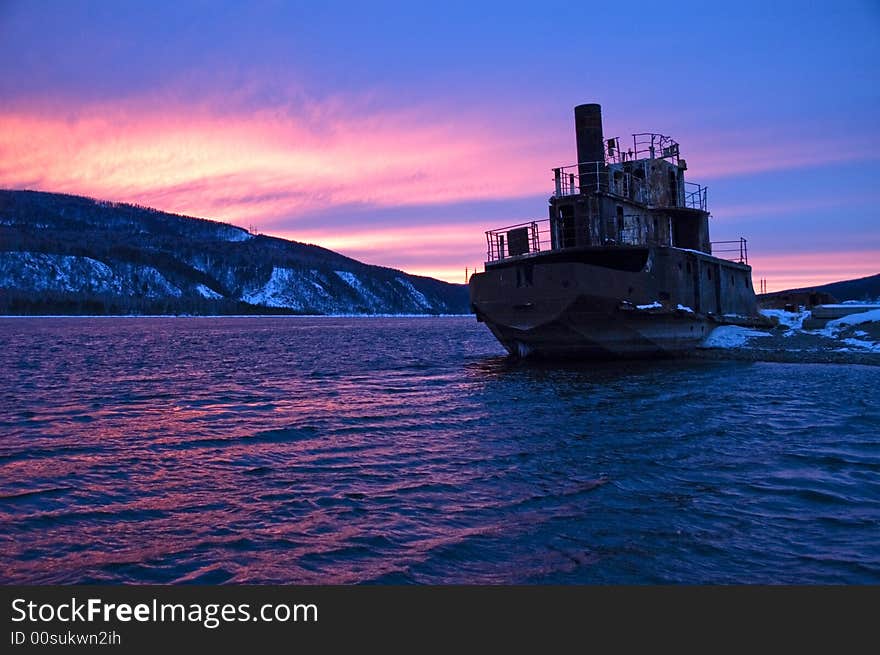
622,266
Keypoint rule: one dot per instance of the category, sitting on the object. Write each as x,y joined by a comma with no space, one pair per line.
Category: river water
410,450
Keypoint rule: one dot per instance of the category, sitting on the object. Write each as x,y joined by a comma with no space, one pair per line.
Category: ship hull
595,335
612,303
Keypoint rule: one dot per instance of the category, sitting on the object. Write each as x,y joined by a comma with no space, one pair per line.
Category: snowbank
730,336
792,320
872,316
868,346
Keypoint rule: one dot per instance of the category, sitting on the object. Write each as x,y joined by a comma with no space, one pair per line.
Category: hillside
74,255
865,289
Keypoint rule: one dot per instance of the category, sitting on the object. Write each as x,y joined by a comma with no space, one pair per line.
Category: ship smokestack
590,144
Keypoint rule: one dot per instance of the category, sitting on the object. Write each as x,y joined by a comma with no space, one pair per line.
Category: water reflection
411,450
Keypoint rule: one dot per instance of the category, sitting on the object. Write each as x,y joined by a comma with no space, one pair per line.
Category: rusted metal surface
622,265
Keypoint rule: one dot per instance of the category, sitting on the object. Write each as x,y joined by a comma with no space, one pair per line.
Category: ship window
709,273
619,218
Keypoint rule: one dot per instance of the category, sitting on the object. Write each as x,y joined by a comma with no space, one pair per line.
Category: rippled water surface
397,450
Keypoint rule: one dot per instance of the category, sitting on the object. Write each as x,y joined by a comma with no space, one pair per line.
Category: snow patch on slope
417,296
280,290
36,271
207,292
235,234
151,282
352,280
303,290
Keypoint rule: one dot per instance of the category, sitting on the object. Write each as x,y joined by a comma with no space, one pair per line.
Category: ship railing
518,240
651,145
735,251
588,177
645,145
695,196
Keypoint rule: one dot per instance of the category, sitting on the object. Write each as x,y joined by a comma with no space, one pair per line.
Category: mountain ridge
62,253
863,288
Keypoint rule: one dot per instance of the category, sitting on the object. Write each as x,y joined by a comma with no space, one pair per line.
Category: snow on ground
355,283
653,305
849,304
833,328
792,320
151,279
686,309
207,292
730,336
417,296
872,316
231,233
863,345
296,289
70,273
44,272
278,291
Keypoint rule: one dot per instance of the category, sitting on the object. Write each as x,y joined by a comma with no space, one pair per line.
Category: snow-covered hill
62,253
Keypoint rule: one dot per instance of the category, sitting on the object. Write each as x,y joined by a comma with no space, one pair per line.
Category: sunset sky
397,133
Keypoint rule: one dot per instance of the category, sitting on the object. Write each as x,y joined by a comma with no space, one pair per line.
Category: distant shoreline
235,316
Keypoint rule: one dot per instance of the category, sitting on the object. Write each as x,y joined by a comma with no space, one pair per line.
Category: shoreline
790,356
20,316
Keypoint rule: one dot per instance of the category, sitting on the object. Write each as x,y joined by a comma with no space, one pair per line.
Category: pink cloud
266,167
789,271
440,250
264,164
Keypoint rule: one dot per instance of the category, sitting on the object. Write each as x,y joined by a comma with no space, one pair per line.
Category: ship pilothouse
636,196
623,264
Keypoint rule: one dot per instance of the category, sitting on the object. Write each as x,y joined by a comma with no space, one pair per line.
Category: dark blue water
325,450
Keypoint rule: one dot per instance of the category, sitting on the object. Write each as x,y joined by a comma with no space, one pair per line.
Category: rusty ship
622,267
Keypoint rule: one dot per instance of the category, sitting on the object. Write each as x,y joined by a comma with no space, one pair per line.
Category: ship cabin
617,195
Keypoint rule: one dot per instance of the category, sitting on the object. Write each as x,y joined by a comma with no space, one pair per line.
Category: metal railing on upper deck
534,237
695,196
645,145
517,240
735,251
596,177
568,181
653,146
